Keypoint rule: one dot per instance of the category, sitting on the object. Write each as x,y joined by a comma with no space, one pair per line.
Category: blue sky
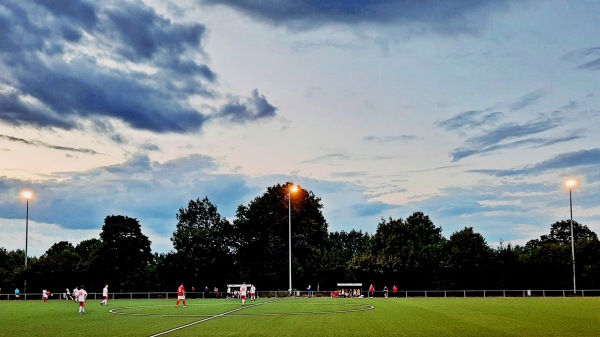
473,112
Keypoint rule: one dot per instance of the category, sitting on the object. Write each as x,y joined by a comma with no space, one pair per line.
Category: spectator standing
395,290
371,291
309,291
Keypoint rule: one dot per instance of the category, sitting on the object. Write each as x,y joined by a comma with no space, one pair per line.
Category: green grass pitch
305,317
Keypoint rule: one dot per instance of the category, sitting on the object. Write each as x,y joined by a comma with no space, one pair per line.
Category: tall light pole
570,184
26,195
294,189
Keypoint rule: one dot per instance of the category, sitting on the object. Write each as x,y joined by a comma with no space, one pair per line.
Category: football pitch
305,317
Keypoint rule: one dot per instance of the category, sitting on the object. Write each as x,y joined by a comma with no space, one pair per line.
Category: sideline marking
212,317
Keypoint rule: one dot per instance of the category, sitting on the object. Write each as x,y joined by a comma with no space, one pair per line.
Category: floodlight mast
293,188
26,195
570,184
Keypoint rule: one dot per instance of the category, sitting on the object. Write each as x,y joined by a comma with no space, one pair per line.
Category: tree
124,255
56,268
204,242
549,261
89,265
508,267
560,232
469,260
342,248
11,267
263,228
408,252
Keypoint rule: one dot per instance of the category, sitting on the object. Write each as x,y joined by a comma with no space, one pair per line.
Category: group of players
243,293
80,296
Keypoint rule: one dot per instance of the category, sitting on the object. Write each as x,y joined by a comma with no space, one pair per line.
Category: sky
472,112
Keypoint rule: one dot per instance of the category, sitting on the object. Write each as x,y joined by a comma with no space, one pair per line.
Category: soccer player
395,290
75,294
105,295
180,296
252,293
243,290
371,291
81,296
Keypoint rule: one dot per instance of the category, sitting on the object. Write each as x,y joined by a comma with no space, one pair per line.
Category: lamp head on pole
294,188
571,183
27,195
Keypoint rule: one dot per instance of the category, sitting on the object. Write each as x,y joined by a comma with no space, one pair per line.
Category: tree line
210,251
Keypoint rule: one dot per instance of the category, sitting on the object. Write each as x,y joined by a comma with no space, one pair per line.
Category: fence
380,294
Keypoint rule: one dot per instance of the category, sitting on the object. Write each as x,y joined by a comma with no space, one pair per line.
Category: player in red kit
180,296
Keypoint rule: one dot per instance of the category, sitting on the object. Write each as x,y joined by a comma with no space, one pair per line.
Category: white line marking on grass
210,318
364,307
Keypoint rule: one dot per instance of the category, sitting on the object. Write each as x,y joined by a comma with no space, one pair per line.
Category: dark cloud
562,161
82,12
242,110
589,56
464,152
144,35
71,61
470,119
46,145
497,138
327,157
527,100
442,16
389,139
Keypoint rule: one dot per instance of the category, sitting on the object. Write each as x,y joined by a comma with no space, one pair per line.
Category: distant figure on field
180,296
45,295
104,295
395,290
371,291
385,292
309,291
252,293
17,293
243,290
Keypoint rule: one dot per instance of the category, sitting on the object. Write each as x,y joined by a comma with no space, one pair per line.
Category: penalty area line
210,318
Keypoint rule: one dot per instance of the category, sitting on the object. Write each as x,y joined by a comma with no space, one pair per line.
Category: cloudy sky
473,112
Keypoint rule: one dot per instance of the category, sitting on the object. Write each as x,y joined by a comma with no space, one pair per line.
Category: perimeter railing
377,294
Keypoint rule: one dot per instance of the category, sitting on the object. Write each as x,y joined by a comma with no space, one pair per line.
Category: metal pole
290,237
572,241
26,240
